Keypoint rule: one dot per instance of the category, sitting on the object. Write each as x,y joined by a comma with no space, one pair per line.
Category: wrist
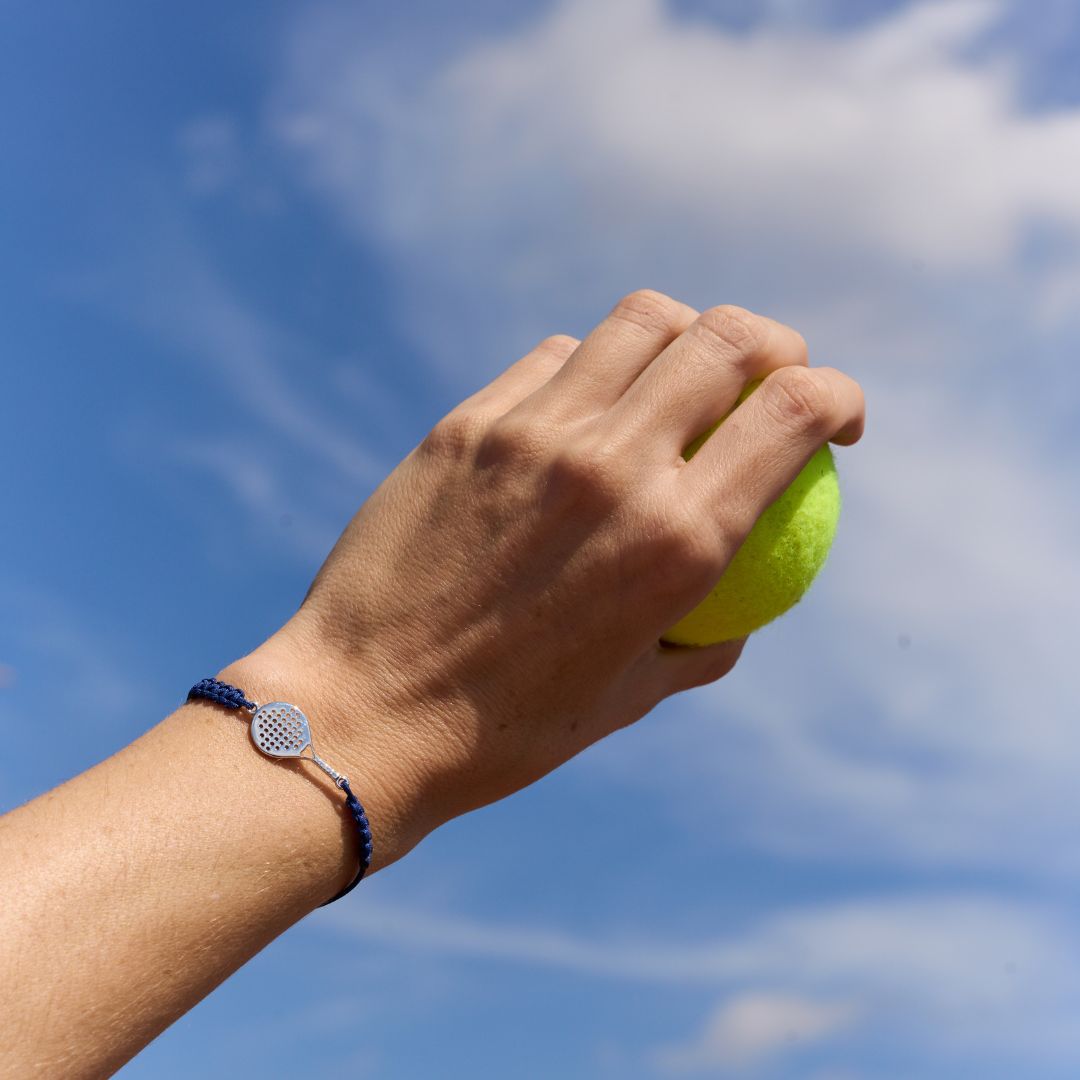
350,729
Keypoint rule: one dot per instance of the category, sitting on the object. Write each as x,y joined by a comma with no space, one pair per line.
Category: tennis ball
778,560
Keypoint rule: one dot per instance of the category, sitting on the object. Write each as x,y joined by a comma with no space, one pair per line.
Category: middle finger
699,376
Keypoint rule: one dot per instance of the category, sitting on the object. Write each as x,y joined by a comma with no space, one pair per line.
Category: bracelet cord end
232,697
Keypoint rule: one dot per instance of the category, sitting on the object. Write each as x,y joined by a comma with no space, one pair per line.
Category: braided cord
364,831
222,693
233,697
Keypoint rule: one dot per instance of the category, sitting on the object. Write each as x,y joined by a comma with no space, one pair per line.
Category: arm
493,609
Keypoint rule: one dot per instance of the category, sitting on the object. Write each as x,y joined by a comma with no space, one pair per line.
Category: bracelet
281,730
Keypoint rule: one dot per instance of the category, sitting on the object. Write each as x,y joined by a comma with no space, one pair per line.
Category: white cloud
752,1027
874,186
611,136
876,138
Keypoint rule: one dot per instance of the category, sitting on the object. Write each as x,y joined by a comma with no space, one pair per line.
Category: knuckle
513,438
583,471
737,330
455,435
561,345
680,551
799,398
650,310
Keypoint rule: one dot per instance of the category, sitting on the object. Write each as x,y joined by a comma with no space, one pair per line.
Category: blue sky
252,252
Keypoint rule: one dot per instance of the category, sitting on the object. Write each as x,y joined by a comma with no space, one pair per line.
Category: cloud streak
276,438
969,969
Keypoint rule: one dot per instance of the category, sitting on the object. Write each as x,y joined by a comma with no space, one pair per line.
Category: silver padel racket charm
281,730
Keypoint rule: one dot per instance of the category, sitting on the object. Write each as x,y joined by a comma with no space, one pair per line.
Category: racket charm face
280,730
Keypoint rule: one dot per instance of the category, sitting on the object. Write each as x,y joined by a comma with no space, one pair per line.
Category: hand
496,605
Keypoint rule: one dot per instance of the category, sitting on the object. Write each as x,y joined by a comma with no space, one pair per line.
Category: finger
611,357
698,378
670,669
748,462
523,377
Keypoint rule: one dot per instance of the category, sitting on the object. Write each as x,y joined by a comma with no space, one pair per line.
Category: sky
250,253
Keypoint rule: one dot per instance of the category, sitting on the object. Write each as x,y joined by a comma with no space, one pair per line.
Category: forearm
134,889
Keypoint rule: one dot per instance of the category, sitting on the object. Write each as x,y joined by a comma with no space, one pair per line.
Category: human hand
496,605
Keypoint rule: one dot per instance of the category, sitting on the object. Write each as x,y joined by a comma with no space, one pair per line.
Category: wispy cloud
967,971
76,678
86,669
197,311
209,147
274,437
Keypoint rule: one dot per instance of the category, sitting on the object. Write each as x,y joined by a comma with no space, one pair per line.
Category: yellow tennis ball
778,560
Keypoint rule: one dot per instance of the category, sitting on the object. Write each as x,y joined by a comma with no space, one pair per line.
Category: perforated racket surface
280,730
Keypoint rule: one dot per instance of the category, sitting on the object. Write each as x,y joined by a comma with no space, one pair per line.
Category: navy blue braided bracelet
280,730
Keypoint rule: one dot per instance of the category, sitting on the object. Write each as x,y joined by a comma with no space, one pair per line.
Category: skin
493,609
